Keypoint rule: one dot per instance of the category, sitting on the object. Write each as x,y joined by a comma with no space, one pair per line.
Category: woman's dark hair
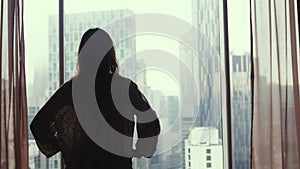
109,63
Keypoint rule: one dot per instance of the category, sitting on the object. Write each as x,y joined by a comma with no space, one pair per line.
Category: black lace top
56,128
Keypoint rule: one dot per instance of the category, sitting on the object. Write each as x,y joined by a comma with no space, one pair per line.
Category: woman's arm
43,125
147,131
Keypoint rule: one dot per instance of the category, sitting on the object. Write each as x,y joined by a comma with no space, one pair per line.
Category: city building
206,67
203,149
34,156
206,17
204,64
241,108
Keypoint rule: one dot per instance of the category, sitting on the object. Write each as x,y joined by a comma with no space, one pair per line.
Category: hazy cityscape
195,139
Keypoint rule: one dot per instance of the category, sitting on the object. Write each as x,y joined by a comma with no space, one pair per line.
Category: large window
39,53
174,51
184,90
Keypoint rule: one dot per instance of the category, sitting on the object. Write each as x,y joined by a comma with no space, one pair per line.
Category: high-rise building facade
205,66
206,17
203,149
241,109
206,70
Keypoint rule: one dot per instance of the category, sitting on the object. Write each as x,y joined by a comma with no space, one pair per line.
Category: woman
57,128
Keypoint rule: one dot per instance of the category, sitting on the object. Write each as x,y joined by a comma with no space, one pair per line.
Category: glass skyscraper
241,109
207,71
205,66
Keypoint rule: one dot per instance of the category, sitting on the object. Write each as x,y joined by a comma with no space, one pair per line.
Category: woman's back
57,128
64,132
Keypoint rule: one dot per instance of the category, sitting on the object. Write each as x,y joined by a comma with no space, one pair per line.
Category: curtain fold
13,117
276,113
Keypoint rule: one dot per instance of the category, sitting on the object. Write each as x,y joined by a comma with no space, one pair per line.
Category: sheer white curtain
276,113
13,117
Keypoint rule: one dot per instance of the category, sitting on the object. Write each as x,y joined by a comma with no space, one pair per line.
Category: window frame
226,117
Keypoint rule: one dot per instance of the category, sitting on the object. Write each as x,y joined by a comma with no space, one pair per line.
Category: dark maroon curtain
13,118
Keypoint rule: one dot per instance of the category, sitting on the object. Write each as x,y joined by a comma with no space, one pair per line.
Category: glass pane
173,52
39,54
239,33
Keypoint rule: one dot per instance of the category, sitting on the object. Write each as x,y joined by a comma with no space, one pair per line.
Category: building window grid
208,165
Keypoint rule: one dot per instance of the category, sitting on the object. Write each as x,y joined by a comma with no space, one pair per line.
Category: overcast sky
37,12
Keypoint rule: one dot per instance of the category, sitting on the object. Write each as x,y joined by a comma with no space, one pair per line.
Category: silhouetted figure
57,128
